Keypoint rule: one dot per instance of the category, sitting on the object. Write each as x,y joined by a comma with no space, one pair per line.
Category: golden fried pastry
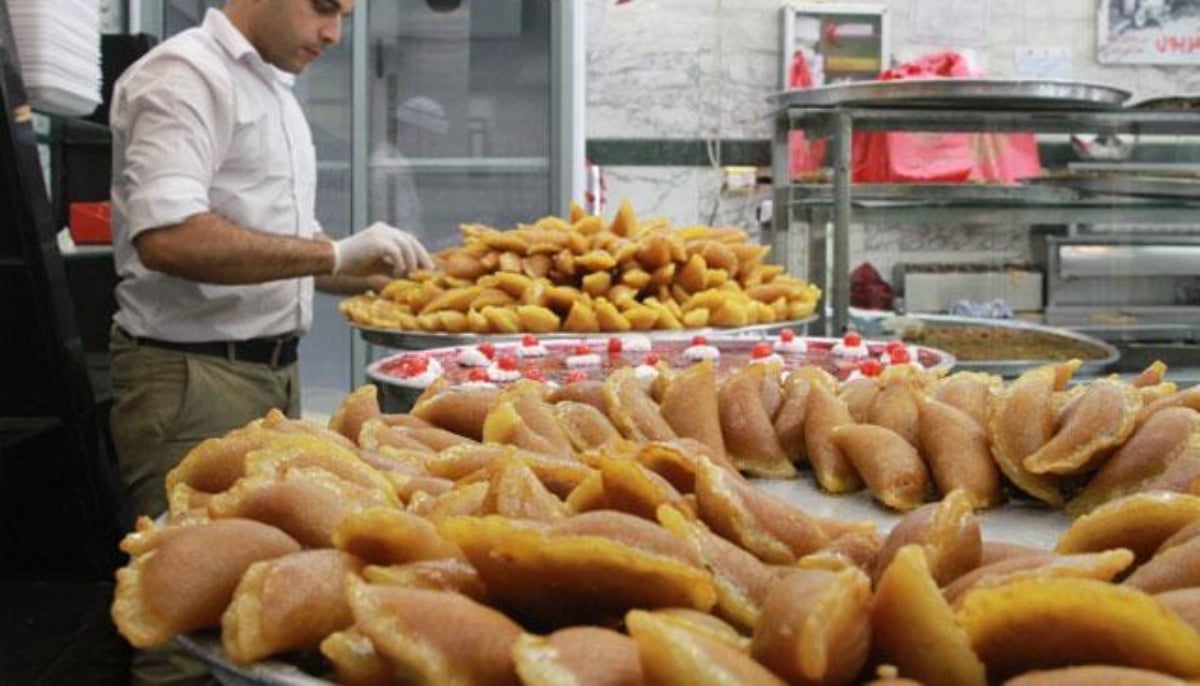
789,421
859,395
582,655
815,626
590,567
463,499
587,391
1139,522
677,461
1182,474
216,463
445,574
1103,417
891,467
741,579
746,425
690,405
278,422
914,628
995,551
456,408
1103,566
896,408
306,504
356,409
1184,602
286,454
1046,623
705,624
851,549
947,531
824,412
1189,398
586,426
375,435
514,491
1021,421
1094,674
1183,535
968,392
959,455
288,603
632,410
181,579
355,660
1172,568
671,653
769,528
1155,443
435,637
629,487
387,536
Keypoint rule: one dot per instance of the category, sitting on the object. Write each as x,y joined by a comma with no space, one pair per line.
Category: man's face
291,34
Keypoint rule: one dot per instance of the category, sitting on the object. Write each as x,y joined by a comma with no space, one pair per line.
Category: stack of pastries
586,275
606,533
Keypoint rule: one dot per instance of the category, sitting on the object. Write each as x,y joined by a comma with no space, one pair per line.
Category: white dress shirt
203,124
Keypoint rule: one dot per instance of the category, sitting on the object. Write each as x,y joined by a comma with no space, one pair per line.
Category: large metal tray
941,193
963,93
878,324
423,340
1139,185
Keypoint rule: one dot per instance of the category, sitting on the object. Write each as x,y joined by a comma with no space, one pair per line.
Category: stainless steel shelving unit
828,209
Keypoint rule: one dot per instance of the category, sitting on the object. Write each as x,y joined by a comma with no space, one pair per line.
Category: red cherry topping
871,367
581,349
412,365
477,374
760,350
507,363
899,356
534,373
529,340
651,359
894,344
852,340
699,340
787,335
614,346
576,375
488,350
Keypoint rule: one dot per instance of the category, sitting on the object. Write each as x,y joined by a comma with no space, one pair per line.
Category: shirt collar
231,39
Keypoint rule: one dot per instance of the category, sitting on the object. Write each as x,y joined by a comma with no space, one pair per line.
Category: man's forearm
211,249
351,285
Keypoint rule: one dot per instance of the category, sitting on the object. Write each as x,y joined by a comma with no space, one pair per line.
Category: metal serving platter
1139,185
1169,103
929,193
963,93
879,324
425,340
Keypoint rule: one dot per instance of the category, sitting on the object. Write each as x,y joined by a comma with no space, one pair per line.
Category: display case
812,222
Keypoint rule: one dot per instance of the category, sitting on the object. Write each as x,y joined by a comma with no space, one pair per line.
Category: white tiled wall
704,68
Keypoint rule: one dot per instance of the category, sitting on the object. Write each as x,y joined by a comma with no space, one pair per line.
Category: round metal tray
964,93
425,340
1140,185
878,324
941,193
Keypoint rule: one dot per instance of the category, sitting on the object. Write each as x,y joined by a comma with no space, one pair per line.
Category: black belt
276,352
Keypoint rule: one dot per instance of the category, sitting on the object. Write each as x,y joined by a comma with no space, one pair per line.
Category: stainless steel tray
878,324
424,340
1169,103
958,92
1139,185
932,193
207,647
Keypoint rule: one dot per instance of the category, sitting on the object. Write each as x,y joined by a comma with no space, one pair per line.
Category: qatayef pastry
181,579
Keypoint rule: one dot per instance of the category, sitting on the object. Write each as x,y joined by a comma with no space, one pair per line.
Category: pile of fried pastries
600,534
587,275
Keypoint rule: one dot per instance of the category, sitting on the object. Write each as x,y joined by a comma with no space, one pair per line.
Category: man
216,238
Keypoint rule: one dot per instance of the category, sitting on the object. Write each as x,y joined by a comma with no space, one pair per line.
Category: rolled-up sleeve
174,126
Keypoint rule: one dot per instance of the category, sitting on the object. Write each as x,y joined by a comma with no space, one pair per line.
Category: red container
91,222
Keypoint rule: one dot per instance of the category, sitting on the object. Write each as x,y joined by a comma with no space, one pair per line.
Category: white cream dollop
472,357
696,353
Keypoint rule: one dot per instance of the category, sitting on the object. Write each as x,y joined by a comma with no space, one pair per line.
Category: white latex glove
379,249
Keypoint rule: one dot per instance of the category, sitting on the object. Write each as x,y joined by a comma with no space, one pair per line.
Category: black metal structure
60,504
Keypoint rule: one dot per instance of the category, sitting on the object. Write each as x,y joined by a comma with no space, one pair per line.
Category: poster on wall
1148,32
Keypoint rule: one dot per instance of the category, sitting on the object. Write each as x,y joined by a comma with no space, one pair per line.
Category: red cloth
807,155
899,156
868,290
